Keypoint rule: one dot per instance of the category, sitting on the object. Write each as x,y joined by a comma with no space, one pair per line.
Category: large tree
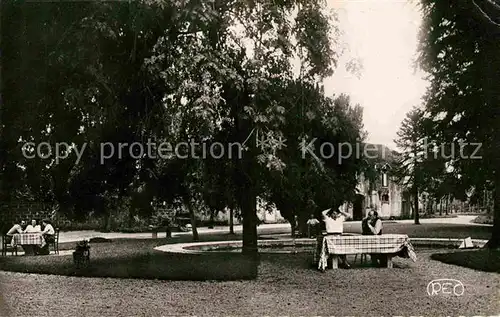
460,49
319,171
190,66
237,55
411,143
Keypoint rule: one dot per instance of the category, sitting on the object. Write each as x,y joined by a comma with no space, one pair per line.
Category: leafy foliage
459,48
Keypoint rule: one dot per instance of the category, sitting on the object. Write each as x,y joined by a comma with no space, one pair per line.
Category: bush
437,215
137,229
74,226
484,219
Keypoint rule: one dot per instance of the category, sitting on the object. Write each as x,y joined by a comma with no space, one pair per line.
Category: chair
55,242
6,247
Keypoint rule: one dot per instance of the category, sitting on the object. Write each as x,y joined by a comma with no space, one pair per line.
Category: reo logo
445,286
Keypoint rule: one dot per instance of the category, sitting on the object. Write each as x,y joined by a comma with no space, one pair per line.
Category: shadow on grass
137,259
485,260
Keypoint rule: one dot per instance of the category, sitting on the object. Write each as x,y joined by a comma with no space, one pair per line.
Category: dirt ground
286,286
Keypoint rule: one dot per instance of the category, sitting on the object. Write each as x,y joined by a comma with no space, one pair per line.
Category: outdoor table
389,244
28,241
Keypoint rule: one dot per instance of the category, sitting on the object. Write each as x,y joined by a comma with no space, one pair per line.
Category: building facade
384,195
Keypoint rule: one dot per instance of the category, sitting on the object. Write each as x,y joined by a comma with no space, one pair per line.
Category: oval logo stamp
445,286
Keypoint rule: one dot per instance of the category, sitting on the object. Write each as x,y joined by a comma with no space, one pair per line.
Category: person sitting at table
364,224
33,227
334,223
48,235
372,225
16,228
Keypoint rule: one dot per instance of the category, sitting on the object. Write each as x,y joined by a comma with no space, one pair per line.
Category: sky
383,34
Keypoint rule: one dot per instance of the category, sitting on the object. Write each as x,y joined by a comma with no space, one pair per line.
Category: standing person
334,223
313,226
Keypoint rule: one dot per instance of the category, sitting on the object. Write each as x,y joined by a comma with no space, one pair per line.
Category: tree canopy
107,74
459,49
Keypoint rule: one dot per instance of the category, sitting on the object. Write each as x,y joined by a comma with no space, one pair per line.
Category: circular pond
302,245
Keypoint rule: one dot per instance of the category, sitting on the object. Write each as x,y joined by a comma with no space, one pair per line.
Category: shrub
484,219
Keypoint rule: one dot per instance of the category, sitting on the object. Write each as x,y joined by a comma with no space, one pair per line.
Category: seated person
365,230
372,225
16,228
313,226
48,230
48,234
33,227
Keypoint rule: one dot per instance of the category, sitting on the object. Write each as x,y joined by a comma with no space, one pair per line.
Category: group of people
46,230
334,225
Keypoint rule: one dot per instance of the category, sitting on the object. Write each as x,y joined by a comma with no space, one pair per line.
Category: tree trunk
131,212
492,74
107,221
192,215
494,242
415,202
249,212
211,225
302,224
447,205
441,206
231,220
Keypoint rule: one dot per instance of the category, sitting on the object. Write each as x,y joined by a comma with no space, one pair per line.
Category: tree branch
493,4
484,15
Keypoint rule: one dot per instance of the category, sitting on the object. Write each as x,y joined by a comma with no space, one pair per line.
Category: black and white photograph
249,158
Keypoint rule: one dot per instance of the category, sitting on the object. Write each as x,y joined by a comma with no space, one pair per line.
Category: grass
286,286
482,260
135,258
431,230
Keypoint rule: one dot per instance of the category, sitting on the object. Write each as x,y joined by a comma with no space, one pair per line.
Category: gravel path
286,286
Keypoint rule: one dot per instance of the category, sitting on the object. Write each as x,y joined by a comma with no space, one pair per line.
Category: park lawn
286,286
482,260
430,230
135,258
427,230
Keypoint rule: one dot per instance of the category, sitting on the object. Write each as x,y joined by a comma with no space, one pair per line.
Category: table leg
335,261
389,261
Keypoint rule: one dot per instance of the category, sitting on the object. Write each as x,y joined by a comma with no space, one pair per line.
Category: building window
385,198
384,180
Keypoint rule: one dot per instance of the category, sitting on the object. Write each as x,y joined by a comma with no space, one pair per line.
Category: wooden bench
155,230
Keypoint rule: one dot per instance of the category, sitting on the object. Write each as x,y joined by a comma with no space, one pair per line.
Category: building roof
380,153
